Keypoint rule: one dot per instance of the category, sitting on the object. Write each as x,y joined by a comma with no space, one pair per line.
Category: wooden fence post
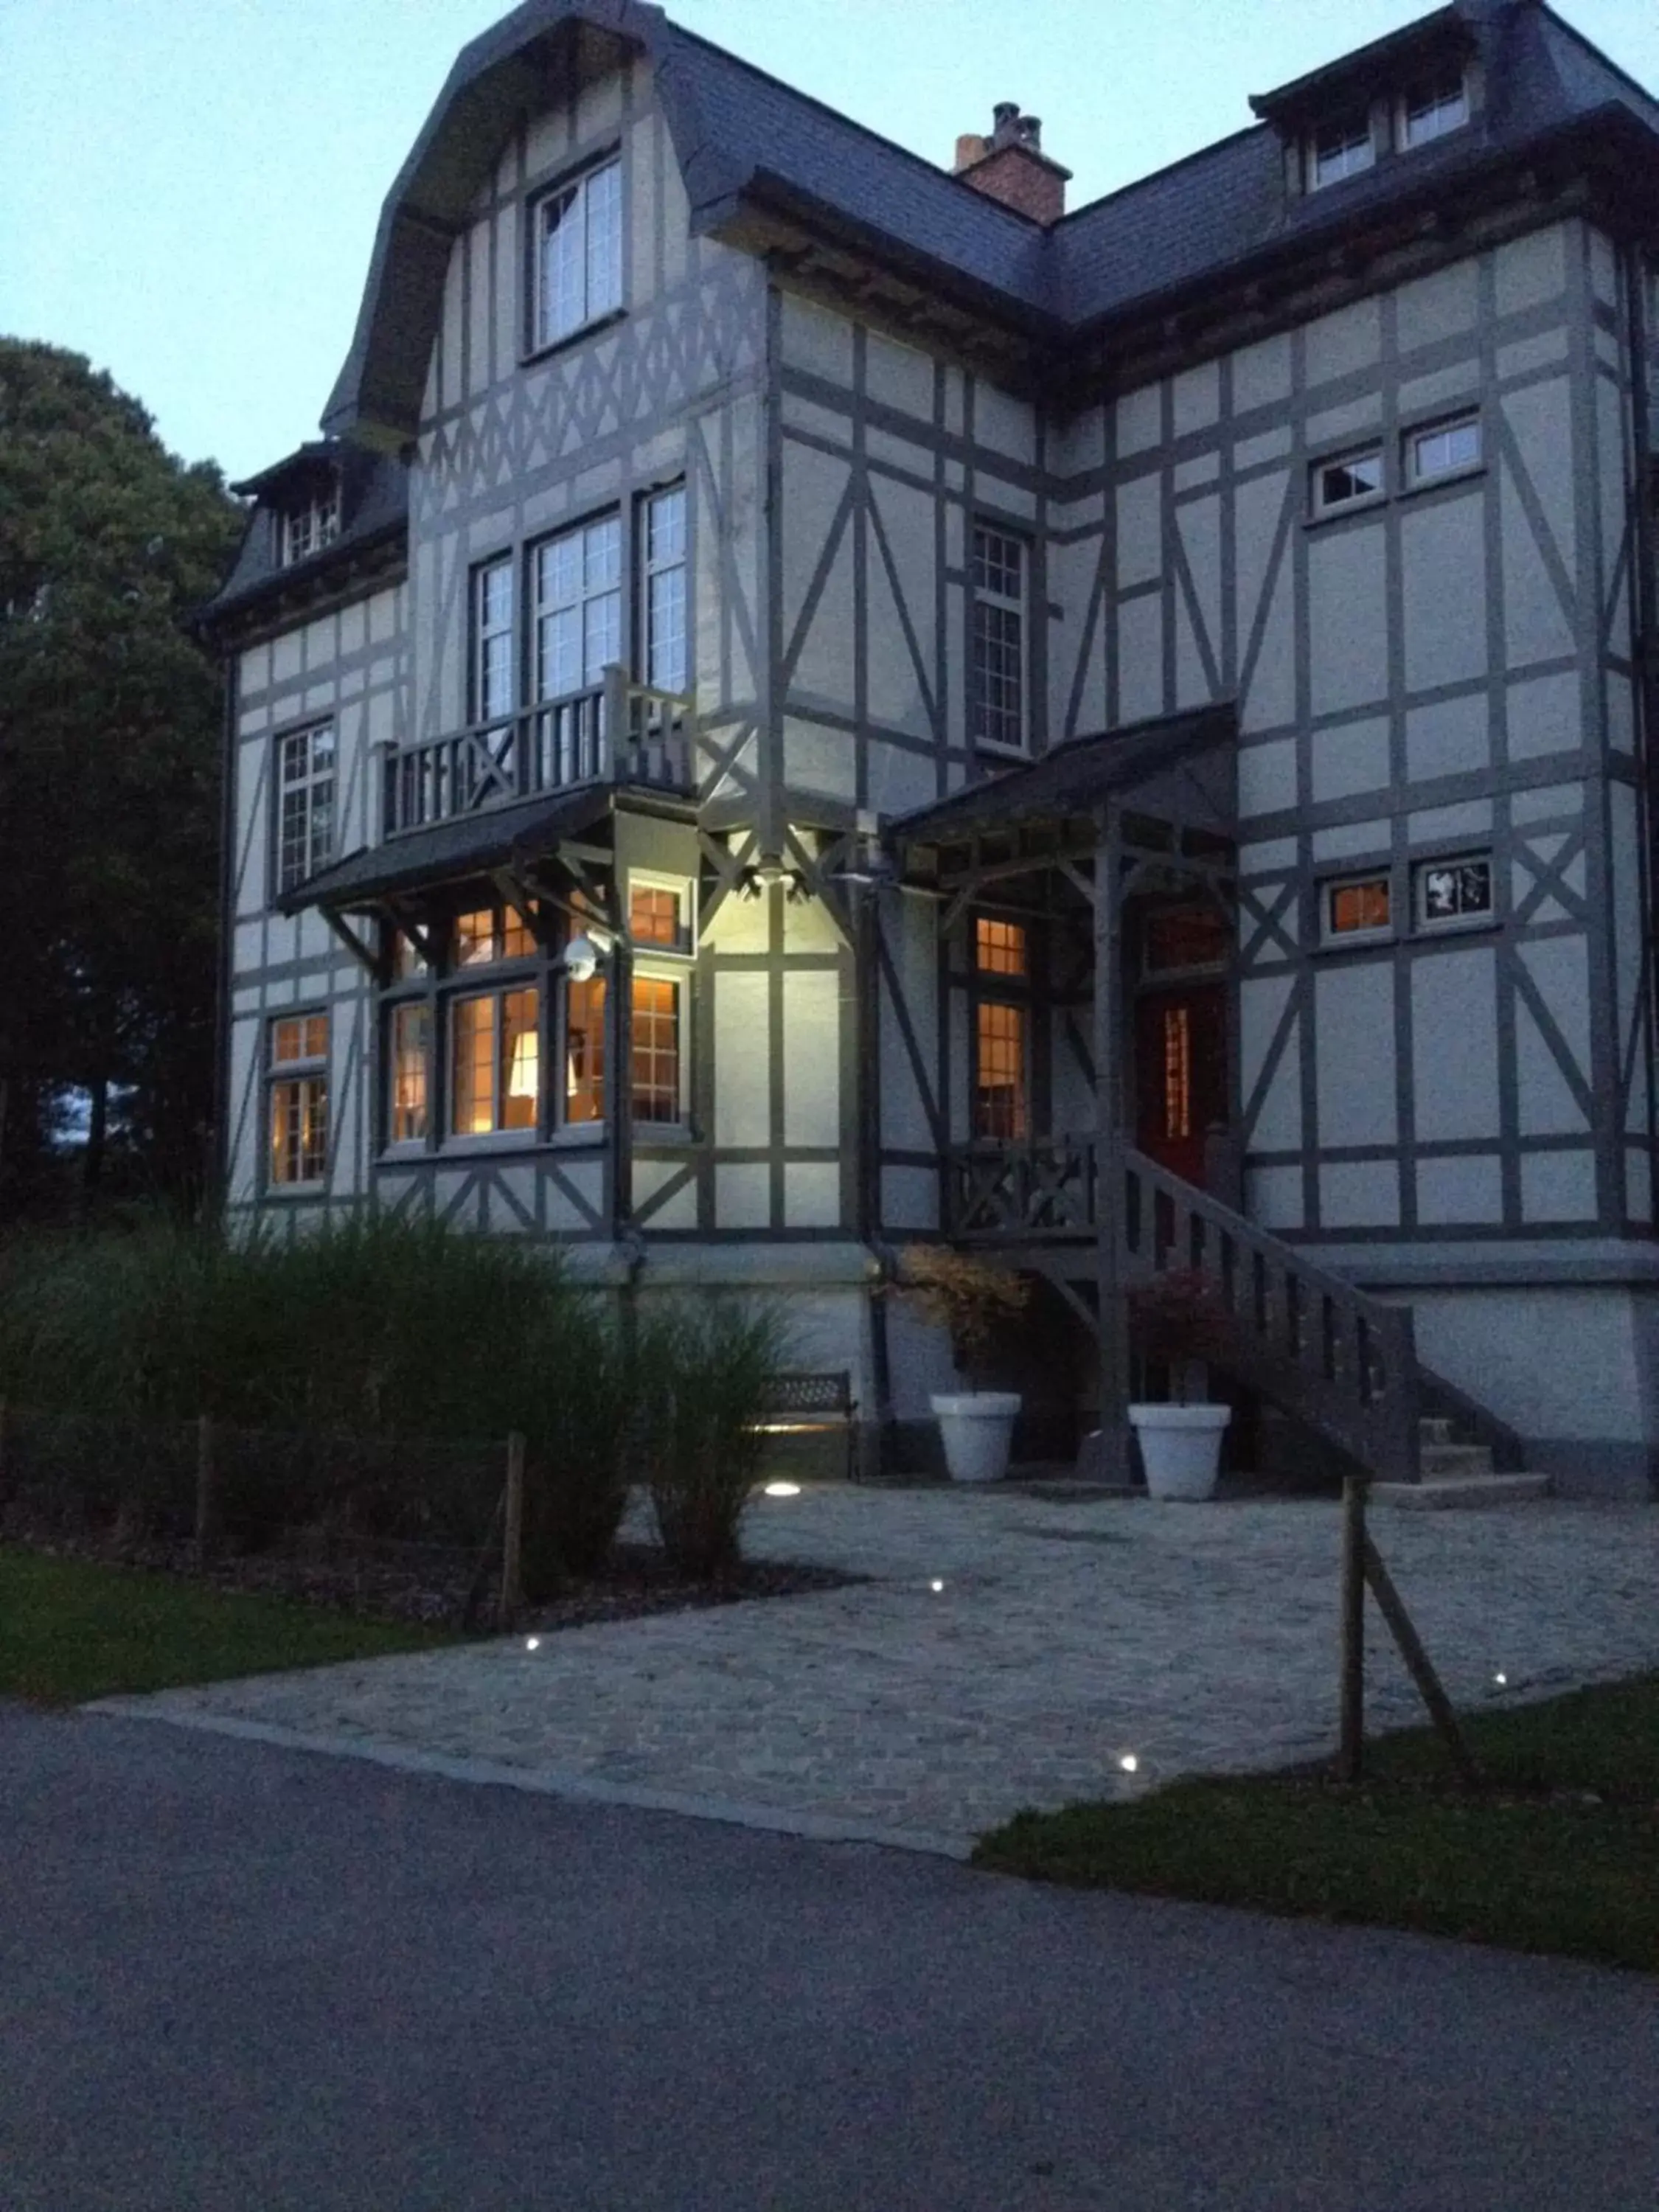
207,1502
1429,1685
1351,1735
512,1591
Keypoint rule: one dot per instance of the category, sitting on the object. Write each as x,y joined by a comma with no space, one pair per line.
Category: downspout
217,1163
1644,560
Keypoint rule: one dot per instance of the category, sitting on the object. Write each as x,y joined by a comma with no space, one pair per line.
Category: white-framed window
662,558
577,579
1339,150
1355,908
1346,480
1433,105
659,913
305,804
1442,449
1453,893
577,231
297,1099
493,688
997,640
311,524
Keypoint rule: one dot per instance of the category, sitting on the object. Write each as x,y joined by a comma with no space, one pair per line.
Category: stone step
1448,1459
1460,1489
1436,1429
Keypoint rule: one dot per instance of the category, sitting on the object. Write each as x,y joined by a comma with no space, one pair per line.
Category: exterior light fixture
582,958
936,1585
1129,1763
533,1644
1501,1680
783,1490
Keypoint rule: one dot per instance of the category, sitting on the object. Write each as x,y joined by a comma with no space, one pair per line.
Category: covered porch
1094,1142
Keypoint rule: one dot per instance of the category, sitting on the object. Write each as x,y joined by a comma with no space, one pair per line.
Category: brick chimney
1011,166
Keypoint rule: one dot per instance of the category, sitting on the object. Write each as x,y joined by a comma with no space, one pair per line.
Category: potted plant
1178,1319
968,1298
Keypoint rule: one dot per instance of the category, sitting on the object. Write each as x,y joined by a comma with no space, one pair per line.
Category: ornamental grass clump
705,1374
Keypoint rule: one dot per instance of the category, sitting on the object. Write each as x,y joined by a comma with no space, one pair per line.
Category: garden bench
811,1405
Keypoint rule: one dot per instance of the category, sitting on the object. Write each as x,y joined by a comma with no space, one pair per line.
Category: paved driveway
1006,1651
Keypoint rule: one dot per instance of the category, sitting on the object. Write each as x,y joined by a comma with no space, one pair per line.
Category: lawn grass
1526,1862
71,1629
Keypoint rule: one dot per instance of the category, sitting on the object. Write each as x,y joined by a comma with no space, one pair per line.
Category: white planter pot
1179,1447
976,1428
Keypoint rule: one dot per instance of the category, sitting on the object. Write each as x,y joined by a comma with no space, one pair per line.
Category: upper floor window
297,1080
578,607
1347,479
662,589
1360,907
308,527
1001,1031
1443,449
1341,149
1432,106
579,253
305,804
492,681
1452,891
997,656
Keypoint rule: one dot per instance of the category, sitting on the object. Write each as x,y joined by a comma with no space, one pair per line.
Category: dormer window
314,523
1341,149
1432,106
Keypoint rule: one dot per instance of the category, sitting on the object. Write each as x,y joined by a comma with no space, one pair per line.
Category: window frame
302,1072
576,184
1326,887
496,993
1320,508
1009,990
1020,608
319,517
482,633
647,571
1404,141
1413,478
1364,134
1454,924
318,851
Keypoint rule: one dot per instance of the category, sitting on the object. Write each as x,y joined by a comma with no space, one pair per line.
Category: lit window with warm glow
298,1119
999,1092
999,946
1177,1072
489,934
584,1050
653,915
494,1062
1362,908
656,1071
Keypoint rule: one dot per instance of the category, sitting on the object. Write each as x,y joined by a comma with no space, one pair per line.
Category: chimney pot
971,148
1004,116
1011,166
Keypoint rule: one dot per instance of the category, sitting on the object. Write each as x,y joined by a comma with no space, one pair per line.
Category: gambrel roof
742,136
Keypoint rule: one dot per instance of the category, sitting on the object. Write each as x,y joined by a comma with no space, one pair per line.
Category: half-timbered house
805,700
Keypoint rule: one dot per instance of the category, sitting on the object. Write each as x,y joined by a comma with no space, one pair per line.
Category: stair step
1446,1459
1436,1429
1461,1489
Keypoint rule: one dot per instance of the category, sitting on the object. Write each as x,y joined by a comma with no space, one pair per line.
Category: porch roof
467,846
1179,768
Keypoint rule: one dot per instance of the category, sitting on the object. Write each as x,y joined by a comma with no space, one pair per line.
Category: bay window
494,1061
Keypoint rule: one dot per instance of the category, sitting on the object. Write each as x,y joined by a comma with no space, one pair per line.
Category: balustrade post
615,732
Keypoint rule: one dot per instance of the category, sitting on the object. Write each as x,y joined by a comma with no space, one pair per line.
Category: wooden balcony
620,733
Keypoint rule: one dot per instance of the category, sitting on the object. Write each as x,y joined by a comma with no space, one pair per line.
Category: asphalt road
232,1976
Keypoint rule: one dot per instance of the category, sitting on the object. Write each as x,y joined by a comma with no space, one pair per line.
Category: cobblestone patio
1008,1650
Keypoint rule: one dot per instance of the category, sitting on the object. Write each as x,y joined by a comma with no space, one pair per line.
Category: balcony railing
619,733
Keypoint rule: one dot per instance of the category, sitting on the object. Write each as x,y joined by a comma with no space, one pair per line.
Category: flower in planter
1179,1318
967,1296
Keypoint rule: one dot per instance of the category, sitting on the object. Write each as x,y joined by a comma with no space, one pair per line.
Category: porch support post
1112,1319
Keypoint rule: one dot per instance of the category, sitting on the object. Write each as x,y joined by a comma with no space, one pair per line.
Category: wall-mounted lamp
767,873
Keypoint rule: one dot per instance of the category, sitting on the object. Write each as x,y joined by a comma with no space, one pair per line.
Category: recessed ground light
1129,1763
533,1644
936,1584
783,1490
1500,1680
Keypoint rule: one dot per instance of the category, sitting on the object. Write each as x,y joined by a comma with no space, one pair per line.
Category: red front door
1181,1075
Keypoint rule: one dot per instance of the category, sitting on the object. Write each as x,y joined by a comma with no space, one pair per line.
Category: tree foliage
110,751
